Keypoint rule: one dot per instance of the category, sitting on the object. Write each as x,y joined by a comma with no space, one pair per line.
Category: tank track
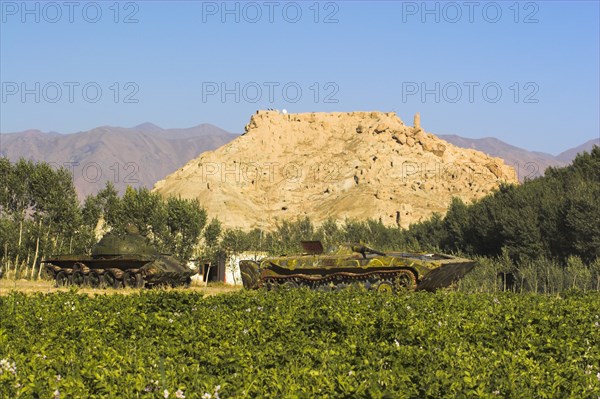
82,276
383,281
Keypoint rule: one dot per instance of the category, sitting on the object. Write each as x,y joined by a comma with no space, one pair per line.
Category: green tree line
173,225
555,216
40,216
545,232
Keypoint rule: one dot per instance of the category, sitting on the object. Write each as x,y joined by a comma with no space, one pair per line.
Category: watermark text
253,12
53,12
69,92
471,92
269,92
470,11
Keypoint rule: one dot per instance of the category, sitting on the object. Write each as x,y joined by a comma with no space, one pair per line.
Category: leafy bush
300,344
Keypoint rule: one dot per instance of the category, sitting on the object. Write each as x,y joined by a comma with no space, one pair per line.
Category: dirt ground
29,286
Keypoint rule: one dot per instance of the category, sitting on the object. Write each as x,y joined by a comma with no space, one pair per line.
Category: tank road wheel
78,278
94,279
384,286
407,280
110,280
49,273
132,280
62,279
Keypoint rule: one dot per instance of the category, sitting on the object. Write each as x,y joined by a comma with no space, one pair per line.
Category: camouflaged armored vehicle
354,265
119,261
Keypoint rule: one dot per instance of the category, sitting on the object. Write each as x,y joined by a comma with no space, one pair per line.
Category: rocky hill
527,164
137,156
333,165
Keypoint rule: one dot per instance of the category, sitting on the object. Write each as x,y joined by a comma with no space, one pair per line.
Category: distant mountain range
137,156
142,155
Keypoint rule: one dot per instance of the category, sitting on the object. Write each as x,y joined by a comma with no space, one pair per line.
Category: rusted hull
250,272
119,261
123,262
393,271
445,276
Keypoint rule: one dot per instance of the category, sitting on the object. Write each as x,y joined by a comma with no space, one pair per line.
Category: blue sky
524,72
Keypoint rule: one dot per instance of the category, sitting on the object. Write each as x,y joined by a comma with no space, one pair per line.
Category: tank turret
129,244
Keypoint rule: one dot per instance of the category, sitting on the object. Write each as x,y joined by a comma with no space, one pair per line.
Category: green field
299,344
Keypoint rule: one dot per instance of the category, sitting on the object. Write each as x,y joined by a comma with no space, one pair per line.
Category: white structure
232,266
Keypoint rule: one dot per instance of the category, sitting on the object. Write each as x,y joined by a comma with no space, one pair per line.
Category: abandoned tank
119,261
354,265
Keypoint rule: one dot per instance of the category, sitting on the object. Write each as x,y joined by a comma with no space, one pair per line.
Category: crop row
299,344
